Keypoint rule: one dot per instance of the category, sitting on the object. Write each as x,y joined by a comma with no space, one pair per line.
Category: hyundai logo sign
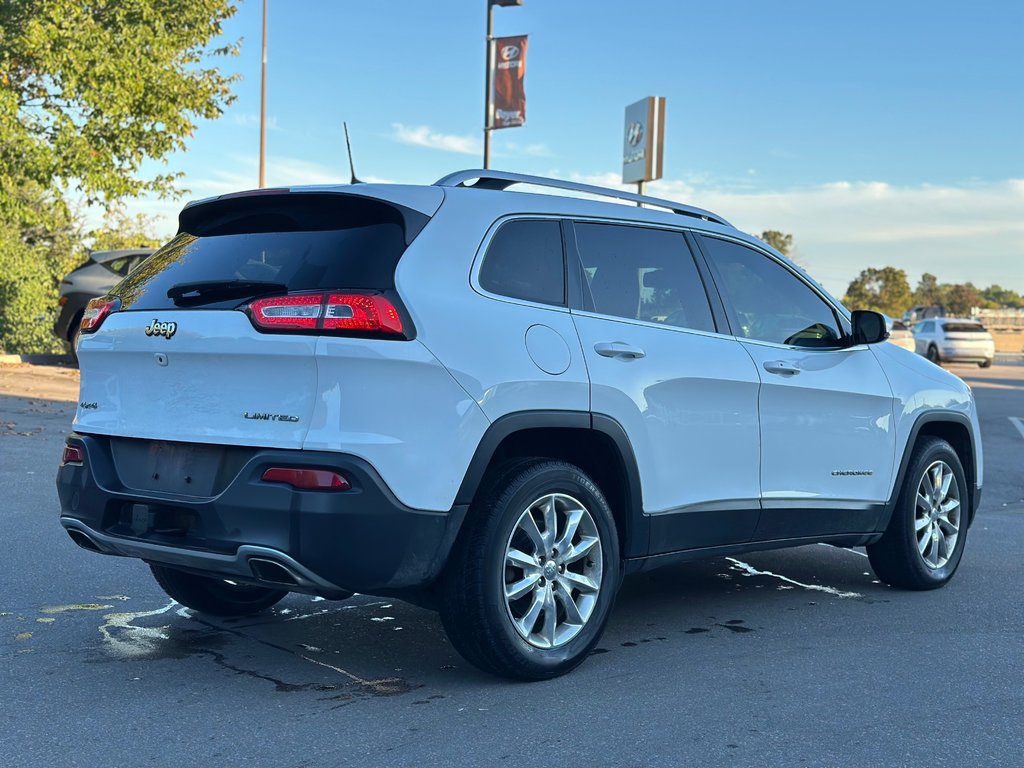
635,133
642,140
510,52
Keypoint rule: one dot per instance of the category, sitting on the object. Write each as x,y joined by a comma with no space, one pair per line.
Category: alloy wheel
552,570
937,515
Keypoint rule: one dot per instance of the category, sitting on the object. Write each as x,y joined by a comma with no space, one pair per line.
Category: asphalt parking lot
795,657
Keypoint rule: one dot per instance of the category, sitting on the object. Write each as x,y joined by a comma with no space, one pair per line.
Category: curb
64,360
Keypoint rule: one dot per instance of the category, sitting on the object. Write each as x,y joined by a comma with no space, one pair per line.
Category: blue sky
877,133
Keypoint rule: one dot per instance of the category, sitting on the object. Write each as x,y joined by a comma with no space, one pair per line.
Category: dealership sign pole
505,99
643,142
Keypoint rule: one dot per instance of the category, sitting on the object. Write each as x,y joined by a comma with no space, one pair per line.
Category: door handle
781,367
619,349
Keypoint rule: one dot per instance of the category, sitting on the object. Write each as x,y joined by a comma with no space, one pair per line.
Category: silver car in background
900,334
954,340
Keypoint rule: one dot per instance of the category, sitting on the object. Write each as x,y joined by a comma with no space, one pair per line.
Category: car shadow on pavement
372,647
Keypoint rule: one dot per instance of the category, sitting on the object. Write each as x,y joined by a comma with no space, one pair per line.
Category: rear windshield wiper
205,291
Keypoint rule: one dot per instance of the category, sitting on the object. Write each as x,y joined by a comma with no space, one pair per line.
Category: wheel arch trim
935,417
636,533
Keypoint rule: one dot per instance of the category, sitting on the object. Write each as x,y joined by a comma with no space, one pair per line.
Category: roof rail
499,180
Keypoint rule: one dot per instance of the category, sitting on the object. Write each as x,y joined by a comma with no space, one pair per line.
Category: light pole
488,86
263,102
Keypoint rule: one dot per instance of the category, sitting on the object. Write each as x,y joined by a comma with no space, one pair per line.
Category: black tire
985,364
896,558
215,597
473,606
933,355
73,342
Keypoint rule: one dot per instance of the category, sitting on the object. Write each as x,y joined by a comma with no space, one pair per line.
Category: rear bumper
967,354
325,543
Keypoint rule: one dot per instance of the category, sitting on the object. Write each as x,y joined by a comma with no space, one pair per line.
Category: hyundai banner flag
509,103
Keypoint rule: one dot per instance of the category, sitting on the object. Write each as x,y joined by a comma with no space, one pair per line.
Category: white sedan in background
954,340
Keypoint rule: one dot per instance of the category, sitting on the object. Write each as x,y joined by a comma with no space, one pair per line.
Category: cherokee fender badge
852,472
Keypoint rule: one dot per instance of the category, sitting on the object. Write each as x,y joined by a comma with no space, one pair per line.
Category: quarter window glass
643,274
524,261
768,302
120,266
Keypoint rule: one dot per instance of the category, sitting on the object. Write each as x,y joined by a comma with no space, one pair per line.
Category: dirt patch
42,382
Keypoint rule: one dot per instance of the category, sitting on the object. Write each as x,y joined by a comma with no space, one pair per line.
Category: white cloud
424,136
248,119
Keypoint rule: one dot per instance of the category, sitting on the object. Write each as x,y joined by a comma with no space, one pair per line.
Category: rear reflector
96,311
73,455
308,479
338,312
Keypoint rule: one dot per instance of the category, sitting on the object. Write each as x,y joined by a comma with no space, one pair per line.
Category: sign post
498,46
643,142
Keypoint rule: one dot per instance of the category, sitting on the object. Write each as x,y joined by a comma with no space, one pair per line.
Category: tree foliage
961,298
928,291
780,241
33,258
120,231
89,90
883,290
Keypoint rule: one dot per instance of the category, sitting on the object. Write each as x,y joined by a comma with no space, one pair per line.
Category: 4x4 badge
156,328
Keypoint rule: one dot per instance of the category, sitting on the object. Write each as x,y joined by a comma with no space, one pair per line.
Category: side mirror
868,327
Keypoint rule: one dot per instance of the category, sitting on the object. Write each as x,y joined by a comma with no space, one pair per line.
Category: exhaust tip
83,541
272,572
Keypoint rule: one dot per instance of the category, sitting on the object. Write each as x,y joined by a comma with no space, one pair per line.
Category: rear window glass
304,241
963,328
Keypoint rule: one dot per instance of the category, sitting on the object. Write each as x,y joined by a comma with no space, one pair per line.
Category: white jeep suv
496,404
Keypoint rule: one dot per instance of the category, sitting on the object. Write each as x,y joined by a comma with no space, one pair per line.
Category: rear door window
303,241
642,273
524,260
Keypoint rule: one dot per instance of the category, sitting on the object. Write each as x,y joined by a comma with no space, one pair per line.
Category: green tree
780,241
1002,297
928,291
884,290
90,90
33,258
120,230
961,299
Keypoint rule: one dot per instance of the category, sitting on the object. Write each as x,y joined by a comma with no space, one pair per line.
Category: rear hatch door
180,359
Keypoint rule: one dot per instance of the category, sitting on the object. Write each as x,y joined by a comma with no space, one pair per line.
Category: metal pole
487,87
263,102
640,191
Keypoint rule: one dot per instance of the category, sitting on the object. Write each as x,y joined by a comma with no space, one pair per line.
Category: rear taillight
308,479
96,311
358,313
73,455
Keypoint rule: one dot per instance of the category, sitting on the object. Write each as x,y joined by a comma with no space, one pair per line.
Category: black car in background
99,274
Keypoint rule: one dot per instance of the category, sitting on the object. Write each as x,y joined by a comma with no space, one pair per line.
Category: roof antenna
351,166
